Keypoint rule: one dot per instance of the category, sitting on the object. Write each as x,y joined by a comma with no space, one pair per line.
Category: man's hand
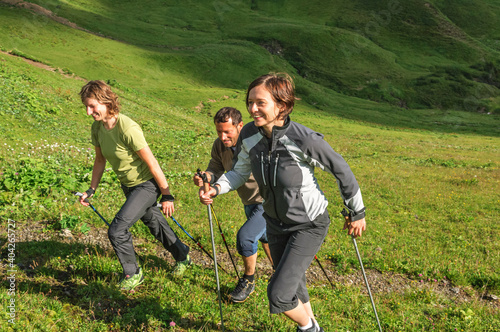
198,181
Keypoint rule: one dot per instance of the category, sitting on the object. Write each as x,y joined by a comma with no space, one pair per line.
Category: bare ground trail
45,12
37,9
45,66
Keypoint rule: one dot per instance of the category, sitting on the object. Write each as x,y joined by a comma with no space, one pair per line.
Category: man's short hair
226,113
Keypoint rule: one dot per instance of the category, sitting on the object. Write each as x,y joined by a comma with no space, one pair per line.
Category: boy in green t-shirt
120,141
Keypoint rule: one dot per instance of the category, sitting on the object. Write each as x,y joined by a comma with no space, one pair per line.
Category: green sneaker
181,266
128,283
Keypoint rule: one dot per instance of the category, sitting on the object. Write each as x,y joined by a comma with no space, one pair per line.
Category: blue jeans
252,231
140,204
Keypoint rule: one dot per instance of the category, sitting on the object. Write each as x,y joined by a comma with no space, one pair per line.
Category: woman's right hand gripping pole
354,228
206,192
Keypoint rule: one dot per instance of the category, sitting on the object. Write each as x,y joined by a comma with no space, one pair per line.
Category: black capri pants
292,252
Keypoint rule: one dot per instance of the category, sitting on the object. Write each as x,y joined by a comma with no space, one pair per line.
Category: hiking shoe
181,266
243,289
128,283
314,328
311,329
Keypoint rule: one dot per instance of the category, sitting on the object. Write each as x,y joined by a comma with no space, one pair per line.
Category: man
228,123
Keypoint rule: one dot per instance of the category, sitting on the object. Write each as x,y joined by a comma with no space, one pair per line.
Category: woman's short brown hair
101,92
281,88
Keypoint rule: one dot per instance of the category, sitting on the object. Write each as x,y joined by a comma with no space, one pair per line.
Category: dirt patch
46,67
43,11
47,13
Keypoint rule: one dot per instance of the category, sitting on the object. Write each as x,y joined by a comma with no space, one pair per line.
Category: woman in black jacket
282,155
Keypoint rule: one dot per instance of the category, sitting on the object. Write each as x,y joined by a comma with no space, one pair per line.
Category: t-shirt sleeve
94,132
134,138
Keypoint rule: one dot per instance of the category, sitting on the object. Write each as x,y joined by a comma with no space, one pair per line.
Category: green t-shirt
119,146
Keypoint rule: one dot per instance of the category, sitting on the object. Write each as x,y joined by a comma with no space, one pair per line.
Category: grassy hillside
402,91
410,55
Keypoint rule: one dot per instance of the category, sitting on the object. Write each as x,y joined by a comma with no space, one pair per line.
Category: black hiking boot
243,289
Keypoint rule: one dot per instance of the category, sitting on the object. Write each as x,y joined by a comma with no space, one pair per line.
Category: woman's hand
354,228
206,197
83,198
167,208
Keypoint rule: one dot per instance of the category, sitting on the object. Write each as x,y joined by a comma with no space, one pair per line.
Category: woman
282,155
120,141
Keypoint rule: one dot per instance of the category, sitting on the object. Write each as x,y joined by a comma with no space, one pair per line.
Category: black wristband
212,179
90,192
167,198
353,215
216,190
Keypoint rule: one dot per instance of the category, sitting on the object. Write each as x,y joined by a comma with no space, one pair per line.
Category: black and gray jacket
283,167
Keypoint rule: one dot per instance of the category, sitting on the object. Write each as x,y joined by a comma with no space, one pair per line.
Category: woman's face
263,109
98,111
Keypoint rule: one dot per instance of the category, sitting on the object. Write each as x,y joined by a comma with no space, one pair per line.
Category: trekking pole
346,215
224,239
93,208
321,266
192,238
206,187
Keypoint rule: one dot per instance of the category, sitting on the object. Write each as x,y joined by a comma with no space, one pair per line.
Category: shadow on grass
77,274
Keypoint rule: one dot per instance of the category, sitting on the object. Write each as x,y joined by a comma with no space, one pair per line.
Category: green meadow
407,92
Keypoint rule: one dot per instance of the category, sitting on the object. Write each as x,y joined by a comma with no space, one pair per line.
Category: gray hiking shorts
292,253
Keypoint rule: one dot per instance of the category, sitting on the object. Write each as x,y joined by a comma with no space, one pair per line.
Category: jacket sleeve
215,166
240,172
323,156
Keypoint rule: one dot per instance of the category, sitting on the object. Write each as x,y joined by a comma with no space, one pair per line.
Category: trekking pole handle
347,217
79,194
206,184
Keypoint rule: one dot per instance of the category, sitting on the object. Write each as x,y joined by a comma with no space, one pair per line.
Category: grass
429,175
374,51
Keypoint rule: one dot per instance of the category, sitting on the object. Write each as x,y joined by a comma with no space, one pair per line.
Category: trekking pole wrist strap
167,198
90,192
354,216
217,190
